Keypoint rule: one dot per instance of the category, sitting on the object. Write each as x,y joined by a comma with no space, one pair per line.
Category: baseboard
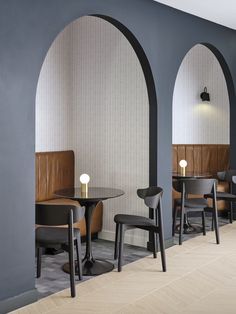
18,301
94,236
168,243
131,239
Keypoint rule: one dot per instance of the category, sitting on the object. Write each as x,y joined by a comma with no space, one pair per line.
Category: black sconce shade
205,96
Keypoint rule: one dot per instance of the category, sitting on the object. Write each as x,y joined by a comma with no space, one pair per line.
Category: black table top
94,193
191,175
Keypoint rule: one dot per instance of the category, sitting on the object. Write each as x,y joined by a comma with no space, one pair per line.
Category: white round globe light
183,163
84,178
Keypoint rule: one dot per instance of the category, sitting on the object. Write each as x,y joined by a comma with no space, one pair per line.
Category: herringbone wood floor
201,278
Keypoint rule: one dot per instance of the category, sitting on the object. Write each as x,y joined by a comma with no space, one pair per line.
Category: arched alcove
93,98
195,121
201,127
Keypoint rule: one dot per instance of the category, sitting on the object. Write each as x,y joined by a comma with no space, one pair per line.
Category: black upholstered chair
152,199
198,204
230,177
47,237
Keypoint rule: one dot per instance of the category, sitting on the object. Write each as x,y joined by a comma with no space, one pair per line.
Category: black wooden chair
230,177
152,198
199,204
48,237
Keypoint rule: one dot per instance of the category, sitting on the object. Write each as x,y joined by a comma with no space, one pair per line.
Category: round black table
189,228
191,175
91,266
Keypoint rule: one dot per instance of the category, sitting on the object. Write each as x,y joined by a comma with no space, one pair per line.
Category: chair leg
72,271
162,249
79,254
121,244
215,215
71,256
181,226
116,242
161,237
154,239
203,223
231,213
212,222
39,259
174,220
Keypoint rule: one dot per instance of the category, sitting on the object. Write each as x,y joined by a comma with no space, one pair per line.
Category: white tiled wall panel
93,86
194,121
53,97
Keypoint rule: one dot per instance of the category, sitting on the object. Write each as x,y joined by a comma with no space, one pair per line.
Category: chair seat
193,203
222,196
133,220
53,235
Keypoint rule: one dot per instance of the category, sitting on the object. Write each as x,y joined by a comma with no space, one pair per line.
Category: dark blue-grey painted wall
27,29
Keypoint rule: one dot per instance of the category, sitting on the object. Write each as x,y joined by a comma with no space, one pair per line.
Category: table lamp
183,164
84,180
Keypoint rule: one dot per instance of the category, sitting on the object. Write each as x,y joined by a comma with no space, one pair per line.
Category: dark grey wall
27,28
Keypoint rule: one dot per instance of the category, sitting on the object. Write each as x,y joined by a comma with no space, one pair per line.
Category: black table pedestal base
92,268
189,228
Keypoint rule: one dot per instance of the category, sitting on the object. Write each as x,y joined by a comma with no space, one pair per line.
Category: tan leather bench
203,159
55,171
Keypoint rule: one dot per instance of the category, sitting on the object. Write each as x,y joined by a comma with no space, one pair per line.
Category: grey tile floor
196,220
53,279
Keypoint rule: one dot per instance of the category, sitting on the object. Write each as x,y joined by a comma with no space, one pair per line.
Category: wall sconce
84,180
183,164
205,96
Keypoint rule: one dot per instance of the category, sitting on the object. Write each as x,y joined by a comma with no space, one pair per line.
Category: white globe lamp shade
183,163
84,178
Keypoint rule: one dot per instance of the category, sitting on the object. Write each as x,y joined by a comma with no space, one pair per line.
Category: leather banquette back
54,171
202,158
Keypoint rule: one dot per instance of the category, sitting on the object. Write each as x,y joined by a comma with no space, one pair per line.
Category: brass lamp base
182,171
84,189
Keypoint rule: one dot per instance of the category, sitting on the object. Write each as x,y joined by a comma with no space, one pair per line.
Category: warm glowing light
84,178
183,163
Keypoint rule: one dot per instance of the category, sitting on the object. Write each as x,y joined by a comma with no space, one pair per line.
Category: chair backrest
151,196
56,215
194,186
177,184
221,175
226,175
234,179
